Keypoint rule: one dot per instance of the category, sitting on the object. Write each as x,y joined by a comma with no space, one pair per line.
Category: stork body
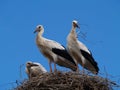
53,51
80,52
33,69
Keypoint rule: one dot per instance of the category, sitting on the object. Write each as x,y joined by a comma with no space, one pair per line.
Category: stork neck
73,30
28,68
41,33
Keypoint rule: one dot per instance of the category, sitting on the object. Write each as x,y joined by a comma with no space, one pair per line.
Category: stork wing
40,67
90,58
83,47
53,44
63,53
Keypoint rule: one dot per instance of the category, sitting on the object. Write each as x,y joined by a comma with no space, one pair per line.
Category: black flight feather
63,53
90,58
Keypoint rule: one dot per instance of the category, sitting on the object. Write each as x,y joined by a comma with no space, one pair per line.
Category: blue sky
100,19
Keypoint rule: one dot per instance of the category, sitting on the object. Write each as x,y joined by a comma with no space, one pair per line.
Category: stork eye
39,27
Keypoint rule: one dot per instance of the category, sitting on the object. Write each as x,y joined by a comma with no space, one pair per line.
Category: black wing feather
63,53
90,58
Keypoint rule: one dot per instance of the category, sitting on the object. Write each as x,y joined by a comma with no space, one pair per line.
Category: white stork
53,51
79,52
33,69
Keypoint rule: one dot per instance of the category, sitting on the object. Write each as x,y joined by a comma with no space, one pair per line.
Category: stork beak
35,31
77,26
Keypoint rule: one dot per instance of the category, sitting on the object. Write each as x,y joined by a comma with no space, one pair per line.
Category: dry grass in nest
65,81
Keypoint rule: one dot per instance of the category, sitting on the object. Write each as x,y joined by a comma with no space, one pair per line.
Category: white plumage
33,69
53,51
80,52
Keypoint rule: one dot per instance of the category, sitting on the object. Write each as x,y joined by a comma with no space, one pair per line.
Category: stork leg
77,67
55,70
77,70
83,71
50,66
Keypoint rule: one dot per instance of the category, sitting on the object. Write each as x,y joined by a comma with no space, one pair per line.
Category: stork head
75,24
30,64
39,28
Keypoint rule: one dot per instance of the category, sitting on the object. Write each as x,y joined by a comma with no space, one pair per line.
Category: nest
65,81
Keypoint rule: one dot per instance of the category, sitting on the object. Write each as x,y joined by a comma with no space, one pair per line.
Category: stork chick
33,69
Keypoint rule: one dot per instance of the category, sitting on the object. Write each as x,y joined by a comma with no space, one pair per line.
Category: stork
33,69
53,51
79,52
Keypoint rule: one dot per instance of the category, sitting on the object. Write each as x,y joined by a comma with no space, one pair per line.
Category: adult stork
79,52
33,69
53,51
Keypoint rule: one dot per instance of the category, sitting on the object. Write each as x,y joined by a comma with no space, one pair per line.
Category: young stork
33,69
80,52
53,51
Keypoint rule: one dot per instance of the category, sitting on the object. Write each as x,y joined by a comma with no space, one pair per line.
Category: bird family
70,57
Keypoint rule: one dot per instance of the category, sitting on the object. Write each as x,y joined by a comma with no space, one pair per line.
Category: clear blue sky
19,18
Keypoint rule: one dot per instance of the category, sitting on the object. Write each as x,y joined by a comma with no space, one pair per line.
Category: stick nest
65,81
